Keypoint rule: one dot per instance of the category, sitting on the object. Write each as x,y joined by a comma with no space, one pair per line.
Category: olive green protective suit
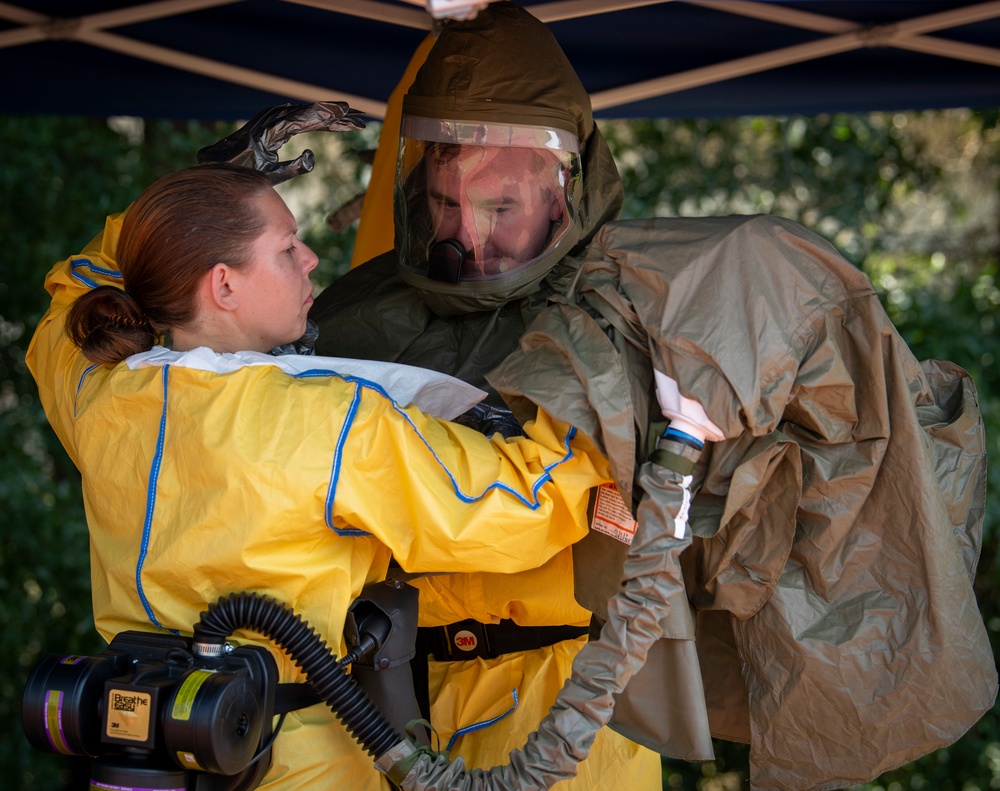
837,526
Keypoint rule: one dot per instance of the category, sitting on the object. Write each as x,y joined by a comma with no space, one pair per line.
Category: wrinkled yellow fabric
198,484
469,691
483,709
537,597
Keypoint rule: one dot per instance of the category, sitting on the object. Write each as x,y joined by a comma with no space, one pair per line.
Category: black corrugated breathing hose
309,651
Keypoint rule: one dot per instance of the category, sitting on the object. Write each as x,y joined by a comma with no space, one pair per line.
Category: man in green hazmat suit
527,628
839,507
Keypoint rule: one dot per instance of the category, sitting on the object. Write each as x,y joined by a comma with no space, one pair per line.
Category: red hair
177,230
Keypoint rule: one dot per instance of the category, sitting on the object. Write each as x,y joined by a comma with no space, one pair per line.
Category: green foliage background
911,198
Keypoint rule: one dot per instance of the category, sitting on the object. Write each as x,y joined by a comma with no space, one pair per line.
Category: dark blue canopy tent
226,59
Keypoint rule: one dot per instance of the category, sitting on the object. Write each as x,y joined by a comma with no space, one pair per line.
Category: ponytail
108,326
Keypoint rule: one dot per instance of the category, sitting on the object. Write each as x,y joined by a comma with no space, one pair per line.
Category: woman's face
277,292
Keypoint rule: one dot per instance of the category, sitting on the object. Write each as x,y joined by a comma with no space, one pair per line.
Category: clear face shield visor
480,202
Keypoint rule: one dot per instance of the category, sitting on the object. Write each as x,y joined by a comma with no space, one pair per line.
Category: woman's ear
220,287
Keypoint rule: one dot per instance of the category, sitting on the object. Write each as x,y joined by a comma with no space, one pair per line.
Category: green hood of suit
506,66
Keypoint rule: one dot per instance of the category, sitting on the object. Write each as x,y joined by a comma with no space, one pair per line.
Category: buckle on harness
461,640
473,640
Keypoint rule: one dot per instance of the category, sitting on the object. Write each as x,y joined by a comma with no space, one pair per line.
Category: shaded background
910,196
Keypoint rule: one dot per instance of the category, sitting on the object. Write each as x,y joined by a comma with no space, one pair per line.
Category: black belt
471,639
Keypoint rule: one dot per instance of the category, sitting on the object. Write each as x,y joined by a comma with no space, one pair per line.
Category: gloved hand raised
255,143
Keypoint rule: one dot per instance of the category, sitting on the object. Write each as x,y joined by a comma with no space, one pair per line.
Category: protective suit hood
505,67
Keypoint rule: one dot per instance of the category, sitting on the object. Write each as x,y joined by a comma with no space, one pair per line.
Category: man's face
499,203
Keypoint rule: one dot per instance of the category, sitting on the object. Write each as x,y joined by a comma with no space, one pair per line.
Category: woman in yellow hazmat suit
210,467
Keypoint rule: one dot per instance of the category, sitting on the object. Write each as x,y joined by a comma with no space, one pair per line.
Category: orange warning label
611,516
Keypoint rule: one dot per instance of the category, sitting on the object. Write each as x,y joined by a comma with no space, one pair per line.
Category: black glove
304,345
255,143
489,420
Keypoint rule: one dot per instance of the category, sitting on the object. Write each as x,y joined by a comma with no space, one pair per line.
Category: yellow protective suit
481,709
198,484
